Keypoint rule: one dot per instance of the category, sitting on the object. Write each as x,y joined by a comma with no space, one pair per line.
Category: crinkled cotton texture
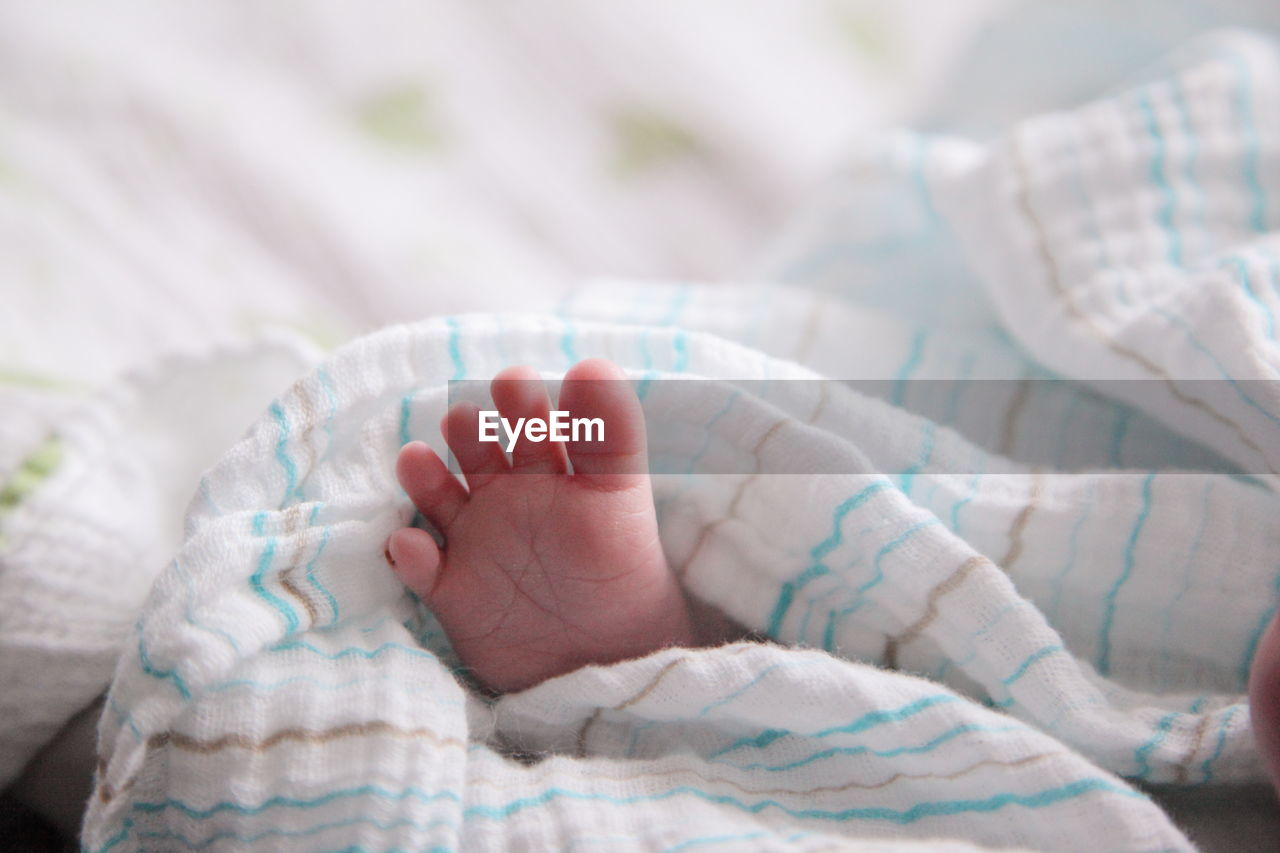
1079,624
92,492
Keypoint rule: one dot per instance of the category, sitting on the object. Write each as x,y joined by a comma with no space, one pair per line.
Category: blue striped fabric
1086,621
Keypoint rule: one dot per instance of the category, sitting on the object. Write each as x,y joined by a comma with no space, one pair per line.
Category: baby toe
479,460
521,397
436,493
613,456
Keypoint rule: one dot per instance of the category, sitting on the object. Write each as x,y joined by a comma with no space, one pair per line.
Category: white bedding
1106,619
1127,239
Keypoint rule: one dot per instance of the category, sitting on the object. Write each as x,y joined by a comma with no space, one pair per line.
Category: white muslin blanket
1086,614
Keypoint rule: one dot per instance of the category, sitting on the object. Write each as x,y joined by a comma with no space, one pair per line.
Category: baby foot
542,571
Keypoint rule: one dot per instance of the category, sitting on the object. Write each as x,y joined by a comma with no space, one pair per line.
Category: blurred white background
176,173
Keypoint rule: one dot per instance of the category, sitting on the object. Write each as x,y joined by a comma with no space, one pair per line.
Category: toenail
386,552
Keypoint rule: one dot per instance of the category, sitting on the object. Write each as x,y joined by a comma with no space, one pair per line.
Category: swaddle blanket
1077,625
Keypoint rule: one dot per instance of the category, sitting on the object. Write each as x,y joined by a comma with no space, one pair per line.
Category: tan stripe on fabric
1064,297
236,740
1019,525
1009,427
581,747
946,585
1181,772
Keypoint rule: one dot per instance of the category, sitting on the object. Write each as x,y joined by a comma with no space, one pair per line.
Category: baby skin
545,567
547,571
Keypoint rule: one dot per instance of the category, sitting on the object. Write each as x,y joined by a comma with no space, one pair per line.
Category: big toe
607,441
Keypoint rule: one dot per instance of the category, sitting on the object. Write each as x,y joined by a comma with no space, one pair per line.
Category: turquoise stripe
829,632
759,741
1273,264
208,496
405,411
679,364
1109,602
120,836
1143,753
1207,767
1036,800
264,563
1244,110
786,595
311,566
803,631
980,469
836,539
329,687
290,471
455,348
938,808
125,717
1165,215
567,340
789,589
1118,433
928,435
882,753
875,718
1258,217
1187,572
889,548
1242,272
867,721
1193,148
678,302
1175,320
1031,661
642,387
368,654
228,835
680,342
1017,604
877,575
162,674
1073,550
360,848
718,839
